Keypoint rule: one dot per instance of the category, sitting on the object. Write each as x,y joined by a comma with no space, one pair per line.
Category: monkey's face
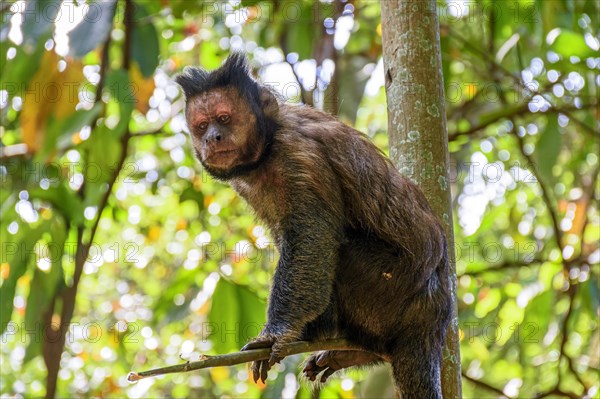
223,130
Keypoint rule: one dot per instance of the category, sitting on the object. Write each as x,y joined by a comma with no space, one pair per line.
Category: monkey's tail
417,358
416,372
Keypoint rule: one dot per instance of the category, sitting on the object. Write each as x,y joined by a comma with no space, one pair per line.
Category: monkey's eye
224,119
202,126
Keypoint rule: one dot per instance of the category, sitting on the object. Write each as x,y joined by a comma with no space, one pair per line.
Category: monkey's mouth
224,151
222,157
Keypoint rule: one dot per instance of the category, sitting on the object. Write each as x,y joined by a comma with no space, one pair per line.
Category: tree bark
417,129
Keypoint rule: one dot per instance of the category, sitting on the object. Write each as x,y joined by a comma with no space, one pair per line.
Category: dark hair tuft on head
192,80
235,71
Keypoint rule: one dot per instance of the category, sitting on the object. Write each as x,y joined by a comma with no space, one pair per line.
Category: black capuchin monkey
362,255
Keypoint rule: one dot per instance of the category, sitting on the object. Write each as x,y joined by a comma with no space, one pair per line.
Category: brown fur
361,253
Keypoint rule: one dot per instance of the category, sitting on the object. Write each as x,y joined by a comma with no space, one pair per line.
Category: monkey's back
394,247
375,197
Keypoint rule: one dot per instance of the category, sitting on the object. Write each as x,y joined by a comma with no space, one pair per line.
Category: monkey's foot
328,362
260,368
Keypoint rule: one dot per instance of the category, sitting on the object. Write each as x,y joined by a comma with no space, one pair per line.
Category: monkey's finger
322,359
326,374
257,345
309,366
309,371
264,371
255,371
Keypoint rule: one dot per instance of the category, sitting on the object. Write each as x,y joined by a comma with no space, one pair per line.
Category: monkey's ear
268,102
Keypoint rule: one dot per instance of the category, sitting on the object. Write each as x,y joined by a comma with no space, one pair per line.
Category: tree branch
231,359
556,391
516,78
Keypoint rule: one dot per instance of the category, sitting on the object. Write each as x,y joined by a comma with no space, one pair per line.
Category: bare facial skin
222,127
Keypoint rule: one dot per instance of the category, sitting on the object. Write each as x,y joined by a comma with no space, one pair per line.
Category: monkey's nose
212,136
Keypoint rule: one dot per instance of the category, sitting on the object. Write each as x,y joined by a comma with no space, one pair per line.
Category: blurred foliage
101,195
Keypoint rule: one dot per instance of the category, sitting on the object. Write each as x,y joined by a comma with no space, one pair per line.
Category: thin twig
231,359
157,132
485,385
503,266
545,194
523,109
565,337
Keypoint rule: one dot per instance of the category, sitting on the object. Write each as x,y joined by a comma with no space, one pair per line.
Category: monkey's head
231,118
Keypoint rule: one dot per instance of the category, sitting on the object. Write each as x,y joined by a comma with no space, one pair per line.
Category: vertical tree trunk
417,129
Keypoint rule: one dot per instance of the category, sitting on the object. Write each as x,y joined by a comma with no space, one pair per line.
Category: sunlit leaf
569,43
17,73
191,194
51,96
66,201
42,289
122,90
38,19
18,259
237,314
59,136
300,35
144,88
93,29
144,46
548,148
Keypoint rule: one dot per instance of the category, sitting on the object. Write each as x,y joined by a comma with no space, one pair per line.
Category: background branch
485,385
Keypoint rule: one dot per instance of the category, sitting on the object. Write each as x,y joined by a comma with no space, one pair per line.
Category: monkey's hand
260,368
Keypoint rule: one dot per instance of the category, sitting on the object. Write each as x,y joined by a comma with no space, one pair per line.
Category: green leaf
42,290
38,19
538,313
17,73
17,254
191,194
301,31
548,147
349,96
236,314
569,43
121,89
144,42
209,54
104,148
93,29
165,310
60,132
64,200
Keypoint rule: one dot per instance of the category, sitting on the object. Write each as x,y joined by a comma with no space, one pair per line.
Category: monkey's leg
329,362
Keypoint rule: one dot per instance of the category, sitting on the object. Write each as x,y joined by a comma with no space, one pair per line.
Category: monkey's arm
303,281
